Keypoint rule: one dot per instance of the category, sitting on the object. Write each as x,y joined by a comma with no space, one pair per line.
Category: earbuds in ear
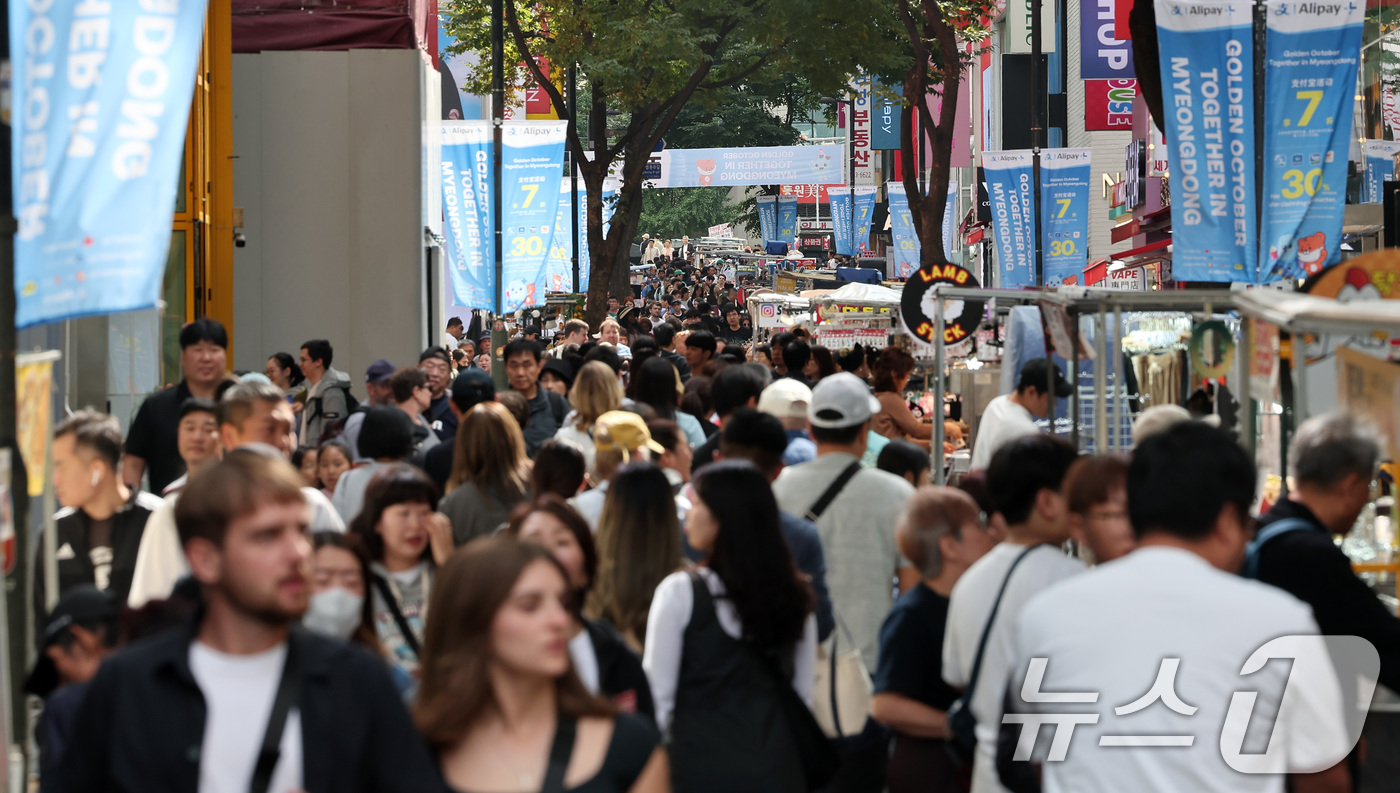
96,476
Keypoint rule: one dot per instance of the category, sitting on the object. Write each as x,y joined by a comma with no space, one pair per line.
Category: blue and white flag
787,218
1208,85
950,220
1380,168
768,218
842,226
532,160
100,105
559,264
1064,214
1312,54
864,202
585,259
904,250
1009,178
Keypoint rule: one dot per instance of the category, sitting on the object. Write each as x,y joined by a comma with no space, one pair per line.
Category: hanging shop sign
101,100
1208,80
1369,389
861,118
1101,56
841,217
885,122
768,217
1009,179
787,218
1312,55
904,252
1018,26
809,193
532,161
1108,104
916,306
1263,360
1380,167
1064,213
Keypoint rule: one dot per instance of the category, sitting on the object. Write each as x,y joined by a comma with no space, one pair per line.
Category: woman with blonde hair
501,705
596,391
639,544
490,472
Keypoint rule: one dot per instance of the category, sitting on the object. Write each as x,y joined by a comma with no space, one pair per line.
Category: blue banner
885,121
749,166
559,264
864,202
904,249
1312,54
787,218
532,158
1064,214
841,217
950,220
1009,178
1208,82
585,259
1380,168
768,218
101,103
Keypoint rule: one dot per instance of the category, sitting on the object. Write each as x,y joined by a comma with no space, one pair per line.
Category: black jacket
74,560
141,727
620,674
1307,565
678,361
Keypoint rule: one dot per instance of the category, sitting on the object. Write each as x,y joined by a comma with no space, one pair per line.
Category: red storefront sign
809,193
1108,104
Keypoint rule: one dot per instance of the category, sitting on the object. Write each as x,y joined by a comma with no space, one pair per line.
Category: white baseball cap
786,399
841,400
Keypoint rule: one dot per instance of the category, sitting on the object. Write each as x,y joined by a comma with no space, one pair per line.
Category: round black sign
916,308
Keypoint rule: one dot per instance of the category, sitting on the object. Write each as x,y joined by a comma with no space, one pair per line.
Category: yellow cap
621,429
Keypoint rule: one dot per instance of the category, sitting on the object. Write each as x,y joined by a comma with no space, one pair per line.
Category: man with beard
241,697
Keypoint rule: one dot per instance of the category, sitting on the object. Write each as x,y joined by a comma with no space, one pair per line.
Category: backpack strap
1262,537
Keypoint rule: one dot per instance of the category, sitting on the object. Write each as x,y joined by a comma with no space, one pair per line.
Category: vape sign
1108,104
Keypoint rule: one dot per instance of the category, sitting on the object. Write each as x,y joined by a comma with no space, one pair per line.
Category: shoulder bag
288,692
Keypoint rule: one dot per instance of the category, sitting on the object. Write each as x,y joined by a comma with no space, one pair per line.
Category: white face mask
335,612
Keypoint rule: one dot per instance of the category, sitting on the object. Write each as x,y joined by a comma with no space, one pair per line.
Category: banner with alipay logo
841,224
559,269
1208,91
1312,54
904,250
532,159
100,107
787,218
1009,177
864,202
1380,167
768,217
1064,213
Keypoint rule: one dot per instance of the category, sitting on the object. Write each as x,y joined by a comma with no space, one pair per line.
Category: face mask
335,612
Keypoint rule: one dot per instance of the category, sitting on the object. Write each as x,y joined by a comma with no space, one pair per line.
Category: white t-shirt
969,606
671,607
238,692
1002,422
1108,631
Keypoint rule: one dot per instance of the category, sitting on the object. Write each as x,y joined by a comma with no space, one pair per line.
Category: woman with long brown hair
499,697
490,472
639,544
895,419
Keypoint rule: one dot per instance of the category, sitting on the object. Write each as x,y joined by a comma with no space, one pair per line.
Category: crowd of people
662,558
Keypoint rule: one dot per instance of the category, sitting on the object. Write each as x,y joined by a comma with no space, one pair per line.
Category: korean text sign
1208,89
101,100
1312,55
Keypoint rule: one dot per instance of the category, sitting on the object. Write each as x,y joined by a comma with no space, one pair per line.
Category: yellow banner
34,406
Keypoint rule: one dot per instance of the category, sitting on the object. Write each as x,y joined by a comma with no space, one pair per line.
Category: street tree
644,62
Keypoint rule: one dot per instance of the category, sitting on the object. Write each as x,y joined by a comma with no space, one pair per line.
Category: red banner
1121,10
809,193
1108,104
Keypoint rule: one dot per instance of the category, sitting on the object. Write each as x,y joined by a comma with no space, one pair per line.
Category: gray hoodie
325,402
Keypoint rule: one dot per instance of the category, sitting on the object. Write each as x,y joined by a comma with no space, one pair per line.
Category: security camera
239,239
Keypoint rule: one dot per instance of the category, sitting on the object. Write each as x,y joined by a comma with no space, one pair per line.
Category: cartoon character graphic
1358,287
1312,253
706,169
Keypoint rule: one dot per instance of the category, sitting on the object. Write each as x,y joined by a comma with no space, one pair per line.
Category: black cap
84,604
471,388
379,372
1036,371
435,352
561,368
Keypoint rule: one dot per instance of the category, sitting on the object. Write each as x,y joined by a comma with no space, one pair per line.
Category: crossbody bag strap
559,753
832,491
288,692
399,619
987,629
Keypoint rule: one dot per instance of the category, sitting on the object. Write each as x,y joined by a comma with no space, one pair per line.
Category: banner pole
1261,21
573,164
1037,141
498,109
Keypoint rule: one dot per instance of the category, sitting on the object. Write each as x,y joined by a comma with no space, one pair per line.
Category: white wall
329,168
